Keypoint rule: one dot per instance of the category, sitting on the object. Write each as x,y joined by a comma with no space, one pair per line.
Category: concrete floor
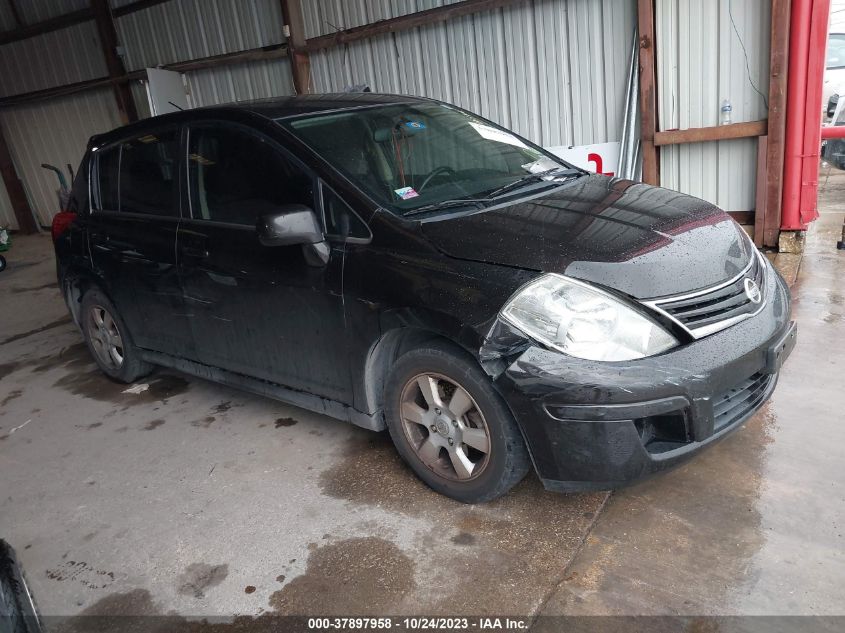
195,499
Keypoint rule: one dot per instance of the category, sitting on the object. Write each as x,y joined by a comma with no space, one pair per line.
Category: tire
17,610
108,339
2,263
439,431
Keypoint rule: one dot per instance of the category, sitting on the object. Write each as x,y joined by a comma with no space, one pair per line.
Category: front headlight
580,320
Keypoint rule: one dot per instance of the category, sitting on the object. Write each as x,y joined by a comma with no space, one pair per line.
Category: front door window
237,176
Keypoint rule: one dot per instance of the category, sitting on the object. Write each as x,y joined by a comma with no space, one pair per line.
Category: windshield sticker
500,136
415,125
406,193
543,164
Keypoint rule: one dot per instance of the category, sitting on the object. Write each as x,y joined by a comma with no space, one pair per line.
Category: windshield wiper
529,178
479,202
446,204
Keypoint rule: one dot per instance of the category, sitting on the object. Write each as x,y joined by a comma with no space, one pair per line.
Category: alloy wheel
445,427
105,337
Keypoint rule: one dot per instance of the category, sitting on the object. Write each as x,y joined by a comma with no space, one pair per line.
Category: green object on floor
5,244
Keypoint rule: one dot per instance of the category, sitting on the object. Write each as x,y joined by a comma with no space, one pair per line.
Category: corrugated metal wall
57,130
552,70
701,62
65,56
181,30
255,80
54,131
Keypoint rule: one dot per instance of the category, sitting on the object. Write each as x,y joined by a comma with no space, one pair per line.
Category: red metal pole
808,209
807,52
829,131
796,102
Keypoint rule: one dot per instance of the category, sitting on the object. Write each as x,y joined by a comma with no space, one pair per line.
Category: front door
257,310
132,233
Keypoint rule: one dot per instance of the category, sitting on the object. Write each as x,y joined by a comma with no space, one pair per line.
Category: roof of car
273,108
278,107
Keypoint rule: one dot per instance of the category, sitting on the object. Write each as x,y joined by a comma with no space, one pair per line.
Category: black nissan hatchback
401,263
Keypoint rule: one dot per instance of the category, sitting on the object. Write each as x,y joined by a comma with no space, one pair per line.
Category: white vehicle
834,74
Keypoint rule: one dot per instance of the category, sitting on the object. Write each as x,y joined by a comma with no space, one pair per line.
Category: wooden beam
14,187
750,129
108,40
263,53
406,22
648,92
778,67
46,26
132,7
300,62
55,91
761,188
70,19
743,217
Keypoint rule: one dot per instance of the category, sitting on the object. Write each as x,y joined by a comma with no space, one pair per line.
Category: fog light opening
662,433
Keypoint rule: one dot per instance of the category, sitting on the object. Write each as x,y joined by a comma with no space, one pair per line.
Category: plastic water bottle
726,112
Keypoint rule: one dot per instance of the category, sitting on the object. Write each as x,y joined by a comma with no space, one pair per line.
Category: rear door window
140,175
237,175
149,174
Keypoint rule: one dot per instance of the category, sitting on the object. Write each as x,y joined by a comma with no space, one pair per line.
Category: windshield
412,156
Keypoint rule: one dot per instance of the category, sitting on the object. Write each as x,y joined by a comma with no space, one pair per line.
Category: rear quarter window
78,201
108,165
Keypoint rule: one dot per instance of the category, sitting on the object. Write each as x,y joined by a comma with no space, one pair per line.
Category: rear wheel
451,427
109,341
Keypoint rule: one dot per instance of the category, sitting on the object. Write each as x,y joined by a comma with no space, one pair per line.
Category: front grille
708,311
739,401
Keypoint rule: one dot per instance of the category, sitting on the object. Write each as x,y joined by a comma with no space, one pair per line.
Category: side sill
331,408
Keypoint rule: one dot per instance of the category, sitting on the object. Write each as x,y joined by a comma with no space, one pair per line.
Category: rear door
257,310
135,215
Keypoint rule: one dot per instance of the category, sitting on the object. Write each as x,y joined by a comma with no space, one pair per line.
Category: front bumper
592,425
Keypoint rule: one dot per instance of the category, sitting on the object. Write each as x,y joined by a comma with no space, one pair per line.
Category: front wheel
451,427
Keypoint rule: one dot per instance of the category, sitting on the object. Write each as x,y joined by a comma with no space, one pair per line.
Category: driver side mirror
289,225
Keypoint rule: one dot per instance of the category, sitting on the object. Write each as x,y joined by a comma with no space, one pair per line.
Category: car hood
638,239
